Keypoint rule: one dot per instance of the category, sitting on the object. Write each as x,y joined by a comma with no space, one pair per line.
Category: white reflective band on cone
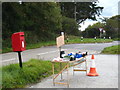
93,64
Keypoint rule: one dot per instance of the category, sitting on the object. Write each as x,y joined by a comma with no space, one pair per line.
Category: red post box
18,41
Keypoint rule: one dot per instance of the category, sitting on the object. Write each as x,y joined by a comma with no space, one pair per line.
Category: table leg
68,75
73,70
86,66
53,73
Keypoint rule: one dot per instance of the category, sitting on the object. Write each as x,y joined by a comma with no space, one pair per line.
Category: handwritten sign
60,41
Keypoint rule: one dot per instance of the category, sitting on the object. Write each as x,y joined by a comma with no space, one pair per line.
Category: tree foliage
40,21
93,30
43,21
84,10
70,27
111,26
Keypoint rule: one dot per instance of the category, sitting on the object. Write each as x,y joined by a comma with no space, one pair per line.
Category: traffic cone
92,68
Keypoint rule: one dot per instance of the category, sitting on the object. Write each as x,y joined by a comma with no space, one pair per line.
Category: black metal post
60,51
20,59
75,11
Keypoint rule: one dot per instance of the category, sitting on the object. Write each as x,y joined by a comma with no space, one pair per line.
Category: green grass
116,39
32,46
72,39
112,50
32,72
5,50
38,45
88,40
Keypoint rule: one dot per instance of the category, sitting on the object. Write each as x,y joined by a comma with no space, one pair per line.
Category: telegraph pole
75,11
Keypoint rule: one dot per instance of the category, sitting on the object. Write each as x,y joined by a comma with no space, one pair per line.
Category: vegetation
43,21
33,71
84,10
93,31
110,26
87,40
112,50
70,27
32,46
68,40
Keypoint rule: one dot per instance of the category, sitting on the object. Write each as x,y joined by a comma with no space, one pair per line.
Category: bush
70,26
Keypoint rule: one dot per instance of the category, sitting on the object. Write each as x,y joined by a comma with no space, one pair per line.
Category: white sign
22,44
60,41
100,29
20,2
104,31
62,33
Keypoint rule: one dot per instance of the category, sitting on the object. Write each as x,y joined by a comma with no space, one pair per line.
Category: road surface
50,52
106,65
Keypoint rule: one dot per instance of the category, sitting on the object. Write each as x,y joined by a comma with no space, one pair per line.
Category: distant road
50,52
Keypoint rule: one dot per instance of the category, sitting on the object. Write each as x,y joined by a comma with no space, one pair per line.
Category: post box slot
21,35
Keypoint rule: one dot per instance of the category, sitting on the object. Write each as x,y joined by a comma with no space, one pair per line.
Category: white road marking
49,52
37,54
8,60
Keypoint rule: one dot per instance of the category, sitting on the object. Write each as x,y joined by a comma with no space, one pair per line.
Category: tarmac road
50,52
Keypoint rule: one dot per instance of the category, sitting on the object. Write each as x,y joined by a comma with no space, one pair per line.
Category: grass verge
71,40
88,40
112,50
32,72
76,39
32,46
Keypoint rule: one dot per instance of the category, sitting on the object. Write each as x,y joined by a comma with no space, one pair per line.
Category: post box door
18,41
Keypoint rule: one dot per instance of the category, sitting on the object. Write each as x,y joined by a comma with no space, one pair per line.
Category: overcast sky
110,9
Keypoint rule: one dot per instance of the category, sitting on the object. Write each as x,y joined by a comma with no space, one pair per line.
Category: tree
93,30
112,27
40,21
84,10
69,26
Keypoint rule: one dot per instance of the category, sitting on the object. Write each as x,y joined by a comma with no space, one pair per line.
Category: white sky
110,9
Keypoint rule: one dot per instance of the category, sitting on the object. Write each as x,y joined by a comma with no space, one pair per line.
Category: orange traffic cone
92,68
